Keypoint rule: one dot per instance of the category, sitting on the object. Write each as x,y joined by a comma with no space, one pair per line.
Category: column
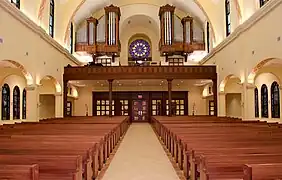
65,97
248,101
221,104
32,103
214,90
169,85
110,96
59,105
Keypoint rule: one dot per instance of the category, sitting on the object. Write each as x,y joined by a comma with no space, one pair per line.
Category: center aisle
140,156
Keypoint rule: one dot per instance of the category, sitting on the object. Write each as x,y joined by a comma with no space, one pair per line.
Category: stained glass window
71,38
227,17
262,2
51,18
264,101
256,103
275,100
139,49
16,103
24,105
17,3
5,102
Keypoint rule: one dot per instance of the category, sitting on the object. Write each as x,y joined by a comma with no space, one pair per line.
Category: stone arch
17,65
57,85
225,80
258,67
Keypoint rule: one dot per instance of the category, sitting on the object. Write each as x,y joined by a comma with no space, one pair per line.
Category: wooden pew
22,172
200,144
262,171
90,138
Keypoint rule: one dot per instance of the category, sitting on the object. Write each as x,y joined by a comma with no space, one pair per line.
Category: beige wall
233,105
46,106
239,54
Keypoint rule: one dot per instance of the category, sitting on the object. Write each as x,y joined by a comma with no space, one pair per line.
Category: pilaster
32,103
58,105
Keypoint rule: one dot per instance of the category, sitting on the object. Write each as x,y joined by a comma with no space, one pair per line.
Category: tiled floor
140,156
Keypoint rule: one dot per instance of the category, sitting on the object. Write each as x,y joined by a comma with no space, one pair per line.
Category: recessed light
98,82
102,84
181,81
162,81
120,84
178,84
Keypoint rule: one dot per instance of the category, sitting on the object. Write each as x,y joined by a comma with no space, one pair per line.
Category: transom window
52,18
227,17
103,107
17,3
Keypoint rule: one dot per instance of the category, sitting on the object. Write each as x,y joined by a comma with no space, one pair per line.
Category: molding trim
258,15
21,17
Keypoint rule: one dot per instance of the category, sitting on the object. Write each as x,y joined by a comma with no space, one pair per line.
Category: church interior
140,89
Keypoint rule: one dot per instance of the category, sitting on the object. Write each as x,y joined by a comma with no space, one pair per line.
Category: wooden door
139,110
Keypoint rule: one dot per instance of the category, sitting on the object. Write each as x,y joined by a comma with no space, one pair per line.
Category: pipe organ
177,36
107,45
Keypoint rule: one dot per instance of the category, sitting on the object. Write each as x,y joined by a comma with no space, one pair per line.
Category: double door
139,110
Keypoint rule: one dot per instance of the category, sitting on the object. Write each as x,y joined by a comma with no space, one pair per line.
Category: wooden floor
140,156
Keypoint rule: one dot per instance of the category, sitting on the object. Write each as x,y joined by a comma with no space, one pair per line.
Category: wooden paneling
142,95
131,72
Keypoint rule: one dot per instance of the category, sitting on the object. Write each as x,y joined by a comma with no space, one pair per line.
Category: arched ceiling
90,6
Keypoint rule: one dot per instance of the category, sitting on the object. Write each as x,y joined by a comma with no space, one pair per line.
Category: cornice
258,15
21,17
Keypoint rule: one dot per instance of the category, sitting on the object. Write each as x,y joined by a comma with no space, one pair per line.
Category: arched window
52,18
5,102
264,101
208,37
24,105
17,3
275,100
227,17
256,103
16,103
71,38
262,2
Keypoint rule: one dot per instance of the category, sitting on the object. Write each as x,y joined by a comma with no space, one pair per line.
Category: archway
264,75
230,96
13,74
49,91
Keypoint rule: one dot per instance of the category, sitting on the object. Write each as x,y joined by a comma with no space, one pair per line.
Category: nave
140,156
87,148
